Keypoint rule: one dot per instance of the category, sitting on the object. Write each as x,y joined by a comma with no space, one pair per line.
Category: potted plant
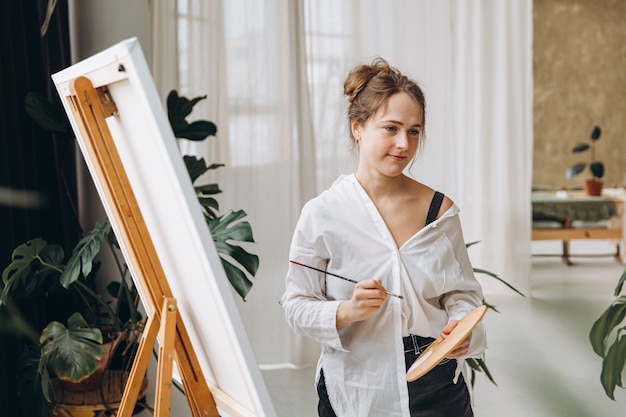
70,347
593,185
608,340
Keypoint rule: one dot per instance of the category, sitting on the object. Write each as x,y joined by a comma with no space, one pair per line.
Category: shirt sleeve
307,309
464,293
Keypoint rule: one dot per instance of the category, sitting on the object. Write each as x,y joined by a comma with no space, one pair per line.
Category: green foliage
239,265
608,340
37,267
479,364
178,108
225,228
72,352
83,255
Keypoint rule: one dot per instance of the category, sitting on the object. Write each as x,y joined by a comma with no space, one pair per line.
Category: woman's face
389,139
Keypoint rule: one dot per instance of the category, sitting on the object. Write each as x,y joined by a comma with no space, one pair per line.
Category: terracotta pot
593,187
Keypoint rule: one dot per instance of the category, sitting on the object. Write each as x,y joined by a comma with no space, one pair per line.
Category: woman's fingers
463,348
367,298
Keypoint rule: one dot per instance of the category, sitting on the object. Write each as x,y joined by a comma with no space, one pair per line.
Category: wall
579,81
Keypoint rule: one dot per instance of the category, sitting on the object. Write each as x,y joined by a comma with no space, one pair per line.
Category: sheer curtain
273,72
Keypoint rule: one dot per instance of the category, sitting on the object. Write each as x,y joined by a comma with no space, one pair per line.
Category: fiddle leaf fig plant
608,340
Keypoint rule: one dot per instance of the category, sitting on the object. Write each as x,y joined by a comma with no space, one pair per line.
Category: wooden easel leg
167,336
139,368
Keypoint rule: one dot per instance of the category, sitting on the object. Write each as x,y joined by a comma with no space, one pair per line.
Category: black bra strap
433,210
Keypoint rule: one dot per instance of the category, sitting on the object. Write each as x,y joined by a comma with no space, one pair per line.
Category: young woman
395,236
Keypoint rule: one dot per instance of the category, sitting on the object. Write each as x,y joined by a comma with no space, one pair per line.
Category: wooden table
572,217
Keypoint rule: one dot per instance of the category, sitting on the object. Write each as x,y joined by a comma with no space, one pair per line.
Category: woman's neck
379,186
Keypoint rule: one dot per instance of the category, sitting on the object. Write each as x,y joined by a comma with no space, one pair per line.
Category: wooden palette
441,348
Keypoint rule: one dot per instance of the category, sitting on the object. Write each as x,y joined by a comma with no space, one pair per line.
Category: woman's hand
367,298
462,349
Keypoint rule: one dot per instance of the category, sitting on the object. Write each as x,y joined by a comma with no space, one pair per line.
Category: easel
92,106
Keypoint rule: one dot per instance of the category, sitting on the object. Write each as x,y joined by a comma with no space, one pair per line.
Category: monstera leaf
72,352
32,264
82,257
225,228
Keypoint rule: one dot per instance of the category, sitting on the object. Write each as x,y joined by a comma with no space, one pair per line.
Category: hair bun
361,75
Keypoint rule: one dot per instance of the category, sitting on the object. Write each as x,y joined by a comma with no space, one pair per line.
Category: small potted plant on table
593,185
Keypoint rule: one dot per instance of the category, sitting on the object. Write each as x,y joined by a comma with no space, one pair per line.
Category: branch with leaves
478,364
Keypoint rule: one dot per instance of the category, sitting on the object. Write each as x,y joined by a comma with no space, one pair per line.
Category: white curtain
273,71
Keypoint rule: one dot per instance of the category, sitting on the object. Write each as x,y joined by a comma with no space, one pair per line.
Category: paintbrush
340,277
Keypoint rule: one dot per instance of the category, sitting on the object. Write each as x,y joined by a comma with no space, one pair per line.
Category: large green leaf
613,366
32,264
178,108
605,324
82,257
72,352
237,279
249,261
33,383
226,228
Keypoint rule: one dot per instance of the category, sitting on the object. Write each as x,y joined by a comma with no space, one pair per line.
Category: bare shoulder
425,193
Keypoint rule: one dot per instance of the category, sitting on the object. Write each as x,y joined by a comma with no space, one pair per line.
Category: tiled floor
539,352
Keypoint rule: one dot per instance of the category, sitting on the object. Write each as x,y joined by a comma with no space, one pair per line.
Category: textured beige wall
579,69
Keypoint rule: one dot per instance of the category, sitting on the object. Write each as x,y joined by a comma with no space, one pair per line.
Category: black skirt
433,395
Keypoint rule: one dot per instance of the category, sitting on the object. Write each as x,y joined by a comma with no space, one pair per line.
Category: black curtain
31,159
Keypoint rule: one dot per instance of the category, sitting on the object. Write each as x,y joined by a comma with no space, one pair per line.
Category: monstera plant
70,346
238,264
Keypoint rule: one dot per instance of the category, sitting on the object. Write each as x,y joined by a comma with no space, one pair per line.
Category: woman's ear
356,130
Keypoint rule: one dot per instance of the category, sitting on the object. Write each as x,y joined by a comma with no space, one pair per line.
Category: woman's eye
390,128
414,132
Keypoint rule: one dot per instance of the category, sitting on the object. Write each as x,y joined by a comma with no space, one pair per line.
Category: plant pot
593,187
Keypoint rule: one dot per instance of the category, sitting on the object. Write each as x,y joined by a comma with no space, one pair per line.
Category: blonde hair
368,88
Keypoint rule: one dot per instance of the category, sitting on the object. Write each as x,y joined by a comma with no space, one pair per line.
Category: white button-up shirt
341,231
